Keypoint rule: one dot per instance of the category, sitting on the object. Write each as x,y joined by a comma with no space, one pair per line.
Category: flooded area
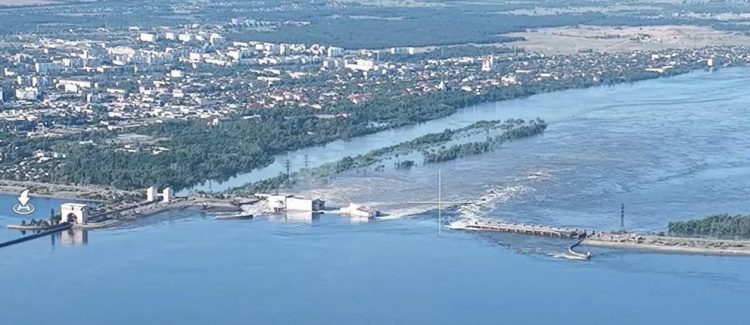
669,149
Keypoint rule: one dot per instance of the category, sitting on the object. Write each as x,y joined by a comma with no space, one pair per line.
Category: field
562,40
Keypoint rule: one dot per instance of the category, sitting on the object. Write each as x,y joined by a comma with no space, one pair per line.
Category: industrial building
74,212
295,203
152,194
359,211
282,202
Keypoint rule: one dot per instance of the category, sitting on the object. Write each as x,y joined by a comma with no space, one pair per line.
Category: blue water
199,271
671,149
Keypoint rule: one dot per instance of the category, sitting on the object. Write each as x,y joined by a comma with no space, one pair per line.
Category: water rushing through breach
670,149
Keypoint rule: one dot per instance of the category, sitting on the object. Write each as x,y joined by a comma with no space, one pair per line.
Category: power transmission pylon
288,166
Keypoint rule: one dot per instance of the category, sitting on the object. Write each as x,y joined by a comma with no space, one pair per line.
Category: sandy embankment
672,244
572,39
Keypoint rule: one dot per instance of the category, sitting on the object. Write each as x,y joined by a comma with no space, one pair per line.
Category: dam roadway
615,240
519,228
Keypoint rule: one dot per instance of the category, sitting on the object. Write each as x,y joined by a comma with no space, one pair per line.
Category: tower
167,195
151,194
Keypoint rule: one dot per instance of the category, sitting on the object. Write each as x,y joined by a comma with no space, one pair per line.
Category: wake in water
390,195
400,195
493,198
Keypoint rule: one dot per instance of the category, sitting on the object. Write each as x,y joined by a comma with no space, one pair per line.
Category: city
106,89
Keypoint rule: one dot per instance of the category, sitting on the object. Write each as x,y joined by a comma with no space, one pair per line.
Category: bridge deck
525,229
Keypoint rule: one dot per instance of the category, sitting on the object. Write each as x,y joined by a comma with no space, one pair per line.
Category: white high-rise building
487,63
184,37
45,67
360,65
402,50
147,37
335,51
28,93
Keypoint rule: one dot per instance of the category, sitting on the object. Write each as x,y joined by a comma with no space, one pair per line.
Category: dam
615,240
519,228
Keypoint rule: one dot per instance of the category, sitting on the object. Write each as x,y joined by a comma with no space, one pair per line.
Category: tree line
512,129
716,226
511,132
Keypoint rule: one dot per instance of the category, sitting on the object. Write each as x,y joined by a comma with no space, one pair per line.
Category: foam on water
492,198
406,212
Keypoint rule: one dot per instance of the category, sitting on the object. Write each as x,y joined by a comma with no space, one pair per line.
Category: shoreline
675,248
84,192
249,176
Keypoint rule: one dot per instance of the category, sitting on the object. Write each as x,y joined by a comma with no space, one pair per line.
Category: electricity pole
288,166
440,202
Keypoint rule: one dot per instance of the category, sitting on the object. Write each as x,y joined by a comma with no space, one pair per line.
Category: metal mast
440,202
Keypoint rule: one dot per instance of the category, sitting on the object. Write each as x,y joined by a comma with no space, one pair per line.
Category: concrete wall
276,202
299,204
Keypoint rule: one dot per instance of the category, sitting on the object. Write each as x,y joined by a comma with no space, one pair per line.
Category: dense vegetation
520,130
353,25
511,129
717,226
423,26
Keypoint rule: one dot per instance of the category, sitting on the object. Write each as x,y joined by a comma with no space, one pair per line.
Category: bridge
48,231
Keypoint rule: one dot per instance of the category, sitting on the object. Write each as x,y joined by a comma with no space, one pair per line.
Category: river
669,149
